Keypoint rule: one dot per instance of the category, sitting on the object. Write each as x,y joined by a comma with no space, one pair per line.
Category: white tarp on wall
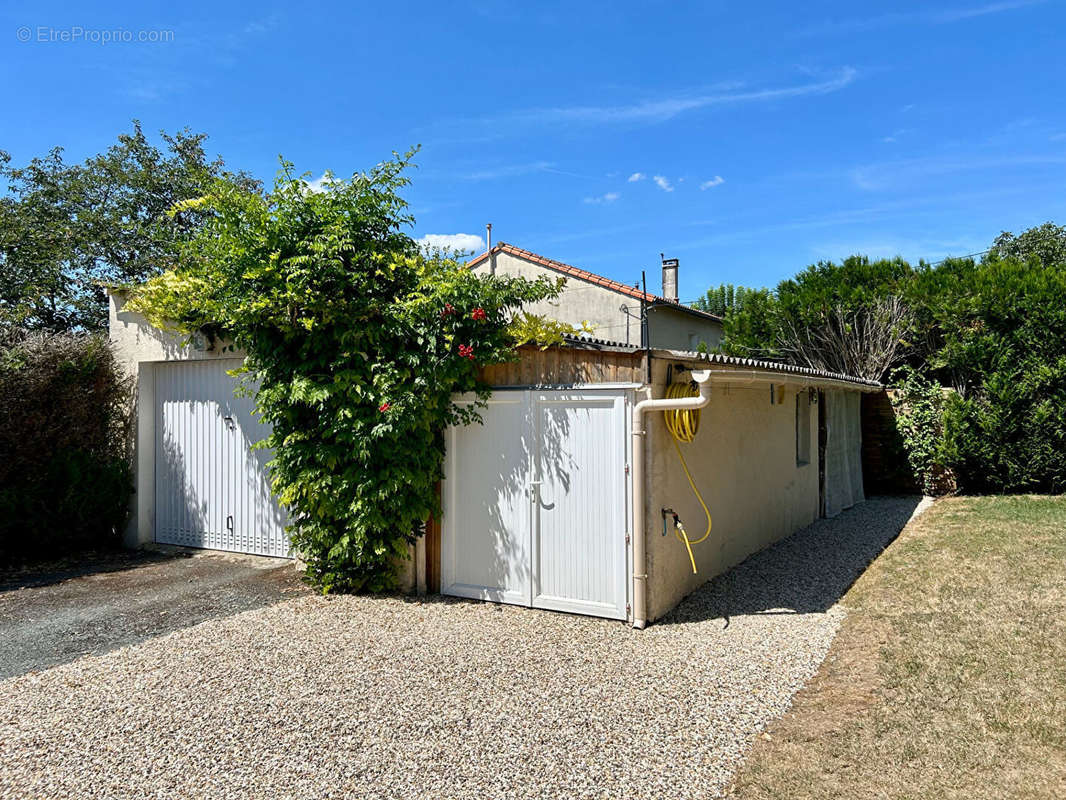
843,452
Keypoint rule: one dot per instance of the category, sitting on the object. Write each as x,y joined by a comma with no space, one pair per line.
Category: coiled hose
683,423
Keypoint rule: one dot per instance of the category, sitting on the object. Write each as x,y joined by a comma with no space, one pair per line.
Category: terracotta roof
588,277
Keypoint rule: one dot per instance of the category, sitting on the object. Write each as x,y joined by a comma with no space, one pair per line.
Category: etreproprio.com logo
76,34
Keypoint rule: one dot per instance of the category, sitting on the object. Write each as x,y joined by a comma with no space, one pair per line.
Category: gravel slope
391,698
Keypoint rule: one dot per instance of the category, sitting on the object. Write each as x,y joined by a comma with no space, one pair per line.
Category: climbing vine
355,341
918,402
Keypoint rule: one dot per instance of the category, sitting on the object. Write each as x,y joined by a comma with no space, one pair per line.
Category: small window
803,429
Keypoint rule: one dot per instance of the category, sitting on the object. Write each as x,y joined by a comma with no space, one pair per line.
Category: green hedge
1000,333
64,446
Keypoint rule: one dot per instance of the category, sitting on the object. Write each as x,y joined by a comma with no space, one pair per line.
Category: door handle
229,523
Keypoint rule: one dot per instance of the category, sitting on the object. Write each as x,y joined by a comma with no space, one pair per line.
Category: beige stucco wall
743,460
601,307
139,349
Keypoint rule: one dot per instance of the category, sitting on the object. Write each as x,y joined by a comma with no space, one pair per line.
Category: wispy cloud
957,14
888,174
610,197
666,108
923,17
717,180
508,171
663,183
263,25
636,176
896,135
464,242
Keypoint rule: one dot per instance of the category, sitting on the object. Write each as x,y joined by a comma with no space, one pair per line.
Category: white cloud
636,176
717,180
509,171
900,172
663,183
925,16
667,108
979,11
463,242
319,183
610,197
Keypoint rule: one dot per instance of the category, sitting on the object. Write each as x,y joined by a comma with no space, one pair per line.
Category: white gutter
640,569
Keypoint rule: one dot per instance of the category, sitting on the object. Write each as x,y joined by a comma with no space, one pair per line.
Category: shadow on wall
806,573
206,452
171,345
504,486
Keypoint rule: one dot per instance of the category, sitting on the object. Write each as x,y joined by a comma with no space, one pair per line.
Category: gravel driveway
390,698
49,618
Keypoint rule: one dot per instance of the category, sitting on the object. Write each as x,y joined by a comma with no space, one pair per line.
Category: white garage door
211,487
535,503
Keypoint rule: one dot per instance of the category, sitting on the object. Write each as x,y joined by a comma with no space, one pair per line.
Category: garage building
566,498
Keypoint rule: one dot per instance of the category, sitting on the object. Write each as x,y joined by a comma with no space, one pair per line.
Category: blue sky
747,140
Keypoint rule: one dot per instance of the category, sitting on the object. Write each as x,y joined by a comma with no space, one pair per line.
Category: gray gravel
390,698
50,617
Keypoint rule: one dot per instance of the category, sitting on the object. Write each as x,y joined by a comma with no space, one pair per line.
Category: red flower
466,351
384,407
478,314
449,309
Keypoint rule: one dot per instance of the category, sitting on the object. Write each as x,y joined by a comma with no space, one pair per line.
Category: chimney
670,279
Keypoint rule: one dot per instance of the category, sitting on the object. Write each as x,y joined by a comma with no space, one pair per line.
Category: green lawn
948,677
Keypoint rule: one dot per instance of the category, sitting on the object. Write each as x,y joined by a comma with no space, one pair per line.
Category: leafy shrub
1011,436
918,403
1003,333
357,341
64,446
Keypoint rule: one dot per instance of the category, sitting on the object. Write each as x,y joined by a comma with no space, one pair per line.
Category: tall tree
849,317
725,298
1046,243
66,228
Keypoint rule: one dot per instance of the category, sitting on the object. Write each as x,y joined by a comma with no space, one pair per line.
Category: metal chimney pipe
488,237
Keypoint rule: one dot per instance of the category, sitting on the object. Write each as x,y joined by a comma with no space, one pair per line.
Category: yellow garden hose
683,424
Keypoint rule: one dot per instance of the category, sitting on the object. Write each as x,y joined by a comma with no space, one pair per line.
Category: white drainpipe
640,569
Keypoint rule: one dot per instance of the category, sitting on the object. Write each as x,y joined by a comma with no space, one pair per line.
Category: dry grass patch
948,677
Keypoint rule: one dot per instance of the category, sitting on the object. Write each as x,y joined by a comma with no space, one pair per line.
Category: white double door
535,502
211,486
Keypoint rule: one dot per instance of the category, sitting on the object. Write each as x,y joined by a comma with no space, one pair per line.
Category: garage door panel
534,503
486,506
579,530
212,488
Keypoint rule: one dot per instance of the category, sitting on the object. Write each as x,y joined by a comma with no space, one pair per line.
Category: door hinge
627,539
627,469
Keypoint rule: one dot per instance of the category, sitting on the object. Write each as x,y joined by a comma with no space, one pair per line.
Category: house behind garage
612,310
538,501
